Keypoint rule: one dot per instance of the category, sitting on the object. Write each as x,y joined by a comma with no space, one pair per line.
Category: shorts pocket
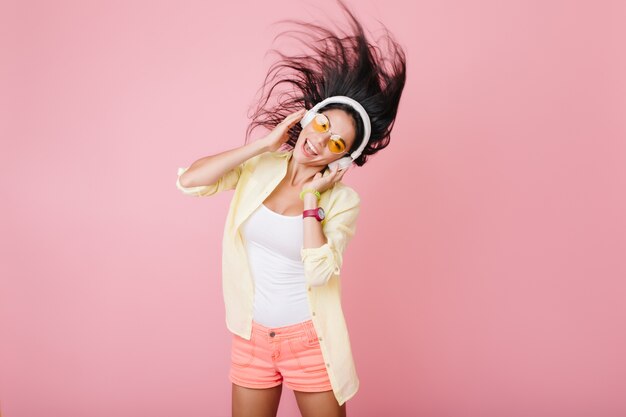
242,351
308,354
309,343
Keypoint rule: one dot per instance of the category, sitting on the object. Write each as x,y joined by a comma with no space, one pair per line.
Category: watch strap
312,213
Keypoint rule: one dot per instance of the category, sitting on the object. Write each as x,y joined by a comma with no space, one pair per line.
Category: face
341,123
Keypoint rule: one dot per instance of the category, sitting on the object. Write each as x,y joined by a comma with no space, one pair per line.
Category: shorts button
272,334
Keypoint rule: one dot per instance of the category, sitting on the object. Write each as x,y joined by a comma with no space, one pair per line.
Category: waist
285,332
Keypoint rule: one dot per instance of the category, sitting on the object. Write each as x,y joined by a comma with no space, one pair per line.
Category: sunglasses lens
320,123
336,144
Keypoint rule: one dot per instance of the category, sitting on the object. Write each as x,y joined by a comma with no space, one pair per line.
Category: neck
298,174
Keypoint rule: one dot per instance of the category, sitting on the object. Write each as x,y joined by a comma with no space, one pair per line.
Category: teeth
310,147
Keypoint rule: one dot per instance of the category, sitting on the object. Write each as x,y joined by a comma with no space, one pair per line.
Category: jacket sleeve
339,227
227,182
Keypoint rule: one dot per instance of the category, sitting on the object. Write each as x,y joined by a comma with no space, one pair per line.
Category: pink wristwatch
318,213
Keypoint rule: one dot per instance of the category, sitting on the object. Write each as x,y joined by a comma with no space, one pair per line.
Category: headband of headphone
367,127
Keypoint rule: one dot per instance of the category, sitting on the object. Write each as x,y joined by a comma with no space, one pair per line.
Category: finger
293,122
297,116
290,123
293,116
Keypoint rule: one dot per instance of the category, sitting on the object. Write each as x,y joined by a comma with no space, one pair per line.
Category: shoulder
343,197
266,158
345,191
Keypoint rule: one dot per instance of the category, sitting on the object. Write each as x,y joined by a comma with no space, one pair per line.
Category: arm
313,234
211,169
212,174
325,242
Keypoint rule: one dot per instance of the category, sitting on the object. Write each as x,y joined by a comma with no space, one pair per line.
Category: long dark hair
338,64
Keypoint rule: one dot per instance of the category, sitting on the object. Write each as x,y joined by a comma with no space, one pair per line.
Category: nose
320,139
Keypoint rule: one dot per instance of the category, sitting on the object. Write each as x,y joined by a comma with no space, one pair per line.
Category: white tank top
273,242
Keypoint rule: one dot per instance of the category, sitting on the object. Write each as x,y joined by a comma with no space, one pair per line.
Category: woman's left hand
322,182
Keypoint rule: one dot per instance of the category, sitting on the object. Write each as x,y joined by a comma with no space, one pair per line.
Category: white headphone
346,161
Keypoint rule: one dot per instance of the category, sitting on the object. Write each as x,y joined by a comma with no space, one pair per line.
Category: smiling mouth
309,148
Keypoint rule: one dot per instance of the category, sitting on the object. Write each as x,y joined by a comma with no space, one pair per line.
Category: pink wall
487,275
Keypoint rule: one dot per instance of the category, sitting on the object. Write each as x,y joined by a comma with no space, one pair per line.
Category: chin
303,160
298,157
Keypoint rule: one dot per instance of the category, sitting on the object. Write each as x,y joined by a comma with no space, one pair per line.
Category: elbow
320,264
183,178
320,274
183,181
318,280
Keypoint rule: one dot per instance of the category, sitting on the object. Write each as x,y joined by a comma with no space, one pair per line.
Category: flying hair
334,63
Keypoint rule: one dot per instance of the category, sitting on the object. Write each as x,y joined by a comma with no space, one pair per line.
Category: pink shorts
290,353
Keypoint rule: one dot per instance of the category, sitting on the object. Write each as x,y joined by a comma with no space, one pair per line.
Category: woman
291,218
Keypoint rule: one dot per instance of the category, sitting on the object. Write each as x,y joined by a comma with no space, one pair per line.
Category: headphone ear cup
306,119
344,162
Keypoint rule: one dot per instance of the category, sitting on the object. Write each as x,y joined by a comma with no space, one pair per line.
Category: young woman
291,218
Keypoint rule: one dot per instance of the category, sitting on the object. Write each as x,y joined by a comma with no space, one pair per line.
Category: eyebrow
331,126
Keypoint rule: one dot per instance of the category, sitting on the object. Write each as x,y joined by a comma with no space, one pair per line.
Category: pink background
487,276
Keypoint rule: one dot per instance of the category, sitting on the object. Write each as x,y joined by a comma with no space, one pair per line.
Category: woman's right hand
279,135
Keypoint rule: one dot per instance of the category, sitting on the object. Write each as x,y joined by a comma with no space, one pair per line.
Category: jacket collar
264,182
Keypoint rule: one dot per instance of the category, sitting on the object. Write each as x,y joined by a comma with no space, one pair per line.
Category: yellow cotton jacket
253,181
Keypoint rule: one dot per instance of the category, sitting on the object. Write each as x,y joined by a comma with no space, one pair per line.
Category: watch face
320,213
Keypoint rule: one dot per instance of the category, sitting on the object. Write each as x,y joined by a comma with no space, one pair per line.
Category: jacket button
313,313
328,365
309,288
319,338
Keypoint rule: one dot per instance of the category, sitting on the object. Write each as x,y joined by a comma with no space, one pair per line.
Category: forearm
211,168
313,234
